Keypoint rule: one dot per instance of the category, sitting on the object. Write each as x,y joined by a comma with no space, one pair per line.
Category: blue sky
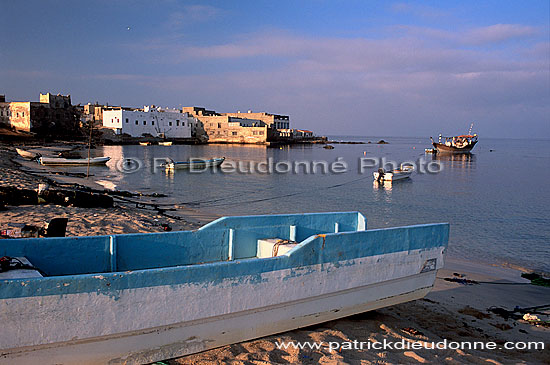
336,67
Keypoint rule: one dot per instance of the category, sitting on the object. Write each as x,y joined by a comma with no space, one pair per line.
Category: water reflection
461,161
384,185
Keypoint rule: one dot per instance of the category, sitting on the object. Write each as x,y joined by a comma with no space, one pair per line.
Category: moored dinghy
58,161
398,174
194,164
140,298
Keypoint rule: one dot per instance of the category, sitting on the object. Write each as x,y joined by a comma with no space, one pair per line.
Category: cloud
409,83
499,33
192,14
481,36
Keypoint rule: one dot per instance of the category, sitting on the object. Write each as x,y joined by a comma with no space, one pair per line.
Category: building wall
272,120
226,129
20,115
56,101
136,123
5,114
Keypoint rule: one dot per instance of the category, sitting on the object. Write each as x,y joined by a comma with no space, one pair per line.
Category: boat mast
89,147
470,131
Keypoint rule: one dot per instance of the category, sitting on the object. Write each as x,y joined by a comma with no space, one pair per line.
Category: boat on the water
194,164
456,144
165,143
141,298
144,143
26,154
397,174
58,161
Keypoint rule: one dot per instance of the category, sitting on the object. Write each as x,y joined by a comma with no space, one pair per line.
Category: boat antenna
89,147
470,131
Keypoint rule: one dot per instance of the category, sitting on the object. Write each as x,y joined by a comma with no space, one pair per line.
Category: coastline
452,311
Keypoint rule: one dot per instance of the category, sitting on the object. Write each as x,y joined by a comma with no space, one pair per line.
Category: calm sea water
497,200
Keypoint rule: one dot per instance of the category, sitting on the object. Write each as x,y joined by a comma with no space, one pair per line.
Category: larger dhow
140,298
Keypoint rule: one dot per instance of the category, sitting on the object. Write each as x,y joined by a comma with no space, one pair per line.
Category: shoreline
453,310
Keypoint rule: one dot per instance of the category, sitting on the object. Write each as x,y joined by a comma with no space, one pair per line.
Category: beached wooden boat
57,161
167,143
26,154
194,164
140,298
393,175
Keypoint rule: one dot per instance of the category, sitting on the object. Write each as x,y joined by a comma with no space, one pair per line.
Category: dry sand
452,311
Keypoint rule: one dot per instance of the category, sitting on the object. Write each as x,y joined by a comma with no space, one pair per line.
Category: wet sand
452,311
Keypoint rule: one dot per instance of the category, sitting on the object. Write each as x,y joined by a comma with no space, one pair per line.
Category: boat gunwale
116,281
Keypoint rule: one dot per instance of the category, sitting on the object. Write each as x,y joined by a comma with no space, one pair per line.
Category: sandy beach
454,311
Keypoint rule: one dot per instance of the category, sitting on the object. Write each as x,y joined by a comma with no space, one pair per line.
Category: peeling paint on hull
188,338
148,315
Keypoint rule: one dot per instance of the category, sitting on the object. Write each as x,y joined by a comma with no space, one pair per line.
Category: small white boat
168,143
144,143
26,154
430,150
194,164
398,174
142,298
57,161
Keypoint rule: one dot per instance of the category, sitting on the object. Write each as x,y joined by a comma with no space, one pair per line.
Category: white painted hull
197,164
392,176
150,324
26,154
54,161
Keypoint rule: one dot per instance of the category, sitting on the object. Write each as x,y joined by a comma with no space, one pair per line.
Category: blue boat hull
146,297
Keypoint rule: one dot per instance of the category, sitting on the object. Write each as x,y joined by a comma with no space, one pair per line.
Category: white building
157,122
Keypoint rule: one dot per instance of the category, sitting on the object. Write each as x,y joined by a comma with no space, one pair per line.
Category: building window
152,122
144,122
170,124
136,122
177,123
219,125
261,133
126,120
234,133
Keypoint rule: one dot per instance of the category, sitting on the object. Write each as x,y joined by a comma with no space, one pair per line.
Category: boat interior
228,238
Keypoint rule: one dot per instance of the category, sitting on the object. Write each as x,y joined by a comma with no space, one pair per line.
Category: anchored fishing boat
166,143
456,144
58,161
140,298
398,174
194,164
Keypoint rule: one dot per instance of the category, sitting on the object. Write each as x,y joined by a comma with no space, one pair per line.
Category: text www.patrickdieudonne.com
335,346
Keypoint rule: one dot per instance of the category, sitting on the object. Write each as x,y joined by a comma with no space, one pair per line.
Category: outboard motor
381,173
